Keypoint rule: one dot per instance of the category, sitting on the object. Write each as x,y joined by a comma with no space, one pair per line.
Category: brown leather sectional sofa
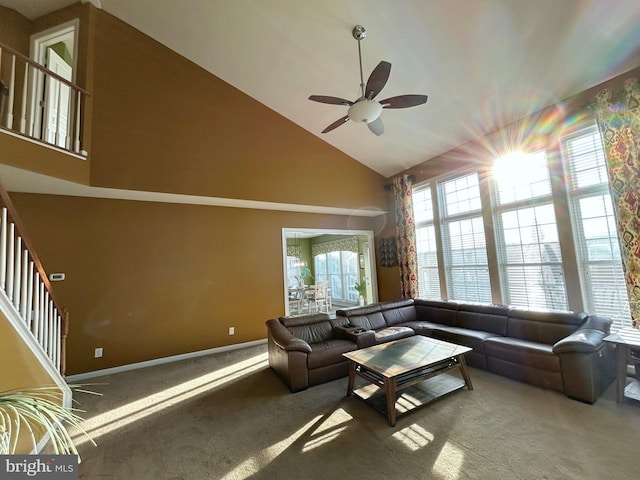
561,351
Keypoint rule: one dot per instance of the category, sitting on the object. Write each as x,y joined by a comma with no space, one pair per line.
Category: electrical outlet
98,352
232,330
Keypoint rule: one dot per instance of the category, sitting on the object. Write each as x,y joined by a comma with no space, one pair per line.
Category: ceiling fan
365,109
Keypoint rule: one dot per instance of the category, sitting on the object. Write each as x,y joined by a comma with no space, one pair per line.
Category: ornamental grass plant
36,412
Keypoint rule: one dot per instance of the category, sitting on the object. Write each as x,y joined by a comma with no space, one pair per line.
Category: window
597,247
529,256
525,197
293,270
340,269
426,248
464,245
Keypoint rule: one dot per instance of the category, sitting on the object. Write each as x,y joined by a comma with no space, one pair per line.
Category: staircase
27,301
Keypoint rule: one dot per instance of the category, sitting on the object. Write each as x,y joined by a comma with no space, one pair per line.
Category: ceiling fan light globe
365,111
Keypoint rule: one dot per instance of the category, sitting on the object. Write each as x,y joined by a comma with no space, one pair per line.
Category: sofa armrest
365,338
362,337
284,339
583,340
585,362
587,339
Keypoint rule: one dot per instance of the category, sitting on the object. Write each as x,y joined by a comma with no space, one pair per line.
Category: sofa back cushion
313,328
358,311
542,326
486,317
399,312
372,321
368,317
436,311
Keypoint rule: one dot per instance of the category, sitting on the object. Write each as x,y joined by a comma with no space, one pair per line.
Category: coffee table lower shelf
413,397
632,390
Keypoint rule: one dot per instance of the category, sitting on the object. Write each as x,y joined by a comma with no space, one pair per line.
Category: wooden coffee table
411,362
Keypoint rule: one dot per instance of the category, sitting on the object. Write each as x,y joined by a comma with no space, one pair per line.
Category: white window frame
428,270
541,283
611,287
563,198
475,273
347,293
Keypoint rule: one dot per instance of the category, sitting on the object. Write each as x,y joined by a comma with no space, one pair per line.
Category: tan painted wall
164,124
20,367
14,32
147,280
18,153
154,121
388,277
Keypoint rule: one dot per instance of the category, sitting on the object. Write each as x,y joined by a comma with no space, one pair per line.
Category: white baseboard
158,361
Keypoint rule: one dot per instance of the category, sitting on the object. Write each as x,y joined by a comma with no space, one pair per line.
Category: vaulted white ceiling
483,63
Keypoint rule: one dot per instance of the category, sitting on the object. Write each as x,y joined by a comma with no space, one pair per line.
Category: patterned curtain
619,120
406,237
294,251
347,244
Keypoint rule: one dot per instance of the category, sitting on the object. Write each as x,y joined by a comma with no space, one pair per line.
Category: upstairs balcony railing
40,104
28,292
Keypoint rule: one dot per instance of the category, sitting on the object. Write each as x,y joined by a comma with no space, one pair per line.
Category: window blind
597,247
464,244
426,246
527,235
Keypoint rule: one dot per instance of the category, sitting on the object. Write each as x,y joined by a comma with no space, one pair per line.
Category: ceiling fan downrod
360,33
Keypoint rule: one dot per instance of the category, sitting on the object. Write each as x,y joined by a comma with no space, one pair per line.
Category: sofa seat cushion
524,352
393,333
329,352
463,336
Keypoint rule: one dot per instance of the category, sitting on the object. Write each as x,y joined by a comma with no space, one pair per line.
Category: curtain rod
389,186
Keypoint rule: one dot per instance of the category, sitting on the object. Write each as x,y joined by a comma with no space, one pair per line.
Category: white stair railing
27,290
40,104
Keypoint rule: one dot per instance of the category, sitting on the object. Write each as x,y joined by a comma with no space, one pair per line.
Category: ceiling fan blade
377,80
376,126
336,124
330,100
404,101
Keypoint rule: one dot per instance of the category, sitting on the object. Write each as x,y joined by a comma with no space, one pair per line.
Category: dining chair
294,302
298,299
319,297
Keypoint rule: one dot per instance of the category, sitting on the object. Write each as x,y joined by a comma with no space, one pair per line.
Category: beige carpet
227,416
